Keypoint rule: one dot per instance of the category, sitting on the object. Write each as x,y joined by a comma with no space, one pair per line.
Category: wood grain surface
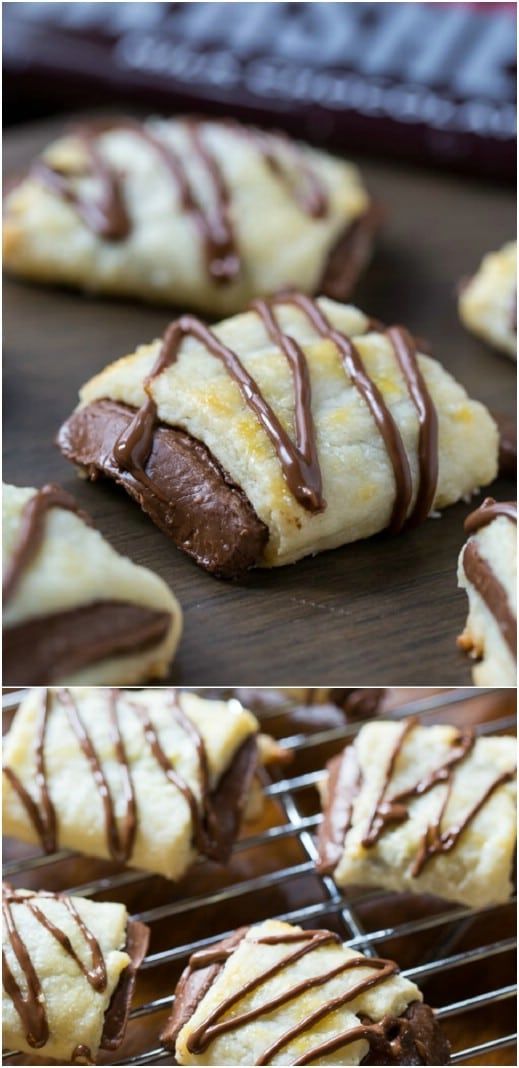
384,611
208,901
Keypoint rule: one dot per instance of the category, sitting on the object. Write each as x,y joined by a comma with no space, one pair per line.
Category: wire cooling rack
462,959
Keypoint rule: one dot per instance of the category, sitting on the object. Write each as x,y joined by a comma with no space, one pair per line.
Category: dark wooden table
384,611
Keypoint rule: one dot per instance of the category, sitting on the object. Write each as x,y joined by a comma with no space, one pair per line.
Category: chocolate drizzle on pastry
492,592
30,1005
405,351
33,531
205,967
41,813
214,816
106,214
299,461
345,781
301,469
306,942
487,512
133,448
480,573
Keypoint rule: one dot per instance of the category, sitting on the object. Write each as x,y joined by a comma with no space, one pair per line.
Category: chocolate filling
349,256
192,500
414,1038
116,1016
46,649
481,575
226,802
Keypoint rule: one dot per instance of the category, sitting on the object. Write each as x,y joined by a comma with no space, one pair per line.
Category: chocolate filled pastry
149,778
277,994
294,428
426,809
487,571
488,300
192,212
75,610
69,967
354,702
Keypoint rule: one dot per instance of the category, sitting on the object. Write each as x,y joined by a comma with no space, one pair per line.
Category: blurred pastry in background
74,609
488,300
195,213
487,571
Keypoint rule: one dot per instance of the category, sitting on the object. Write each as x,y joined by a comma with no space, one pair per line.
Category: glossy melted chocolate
205,966
299,461
214,817
345,781
30,1003
480,573
33,531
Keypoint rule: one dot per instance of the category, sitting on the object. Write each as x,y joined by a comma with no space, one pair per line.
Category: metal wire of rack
448,924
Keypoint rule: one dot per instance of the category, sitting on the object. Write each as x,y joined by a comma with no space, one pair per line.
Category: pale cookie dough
276,994
69,974
487,571
487,302
363,486
426,809
187,763
53,617
273,212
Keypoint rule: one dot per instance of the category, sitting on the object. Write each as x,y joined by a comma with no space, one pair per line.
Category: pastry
296,427
487,571
426,809
356,702
75,610
488,300
151,778
69,967
277,994
198,213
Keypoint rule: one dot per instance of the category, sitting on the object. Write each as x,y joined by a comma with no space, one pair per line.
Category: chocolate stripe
213,1026
214,816
133,447
486,583
106,214
404,348
118,842
33,531
370,393
487,512
302,460
30,1006
344,777
42,813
